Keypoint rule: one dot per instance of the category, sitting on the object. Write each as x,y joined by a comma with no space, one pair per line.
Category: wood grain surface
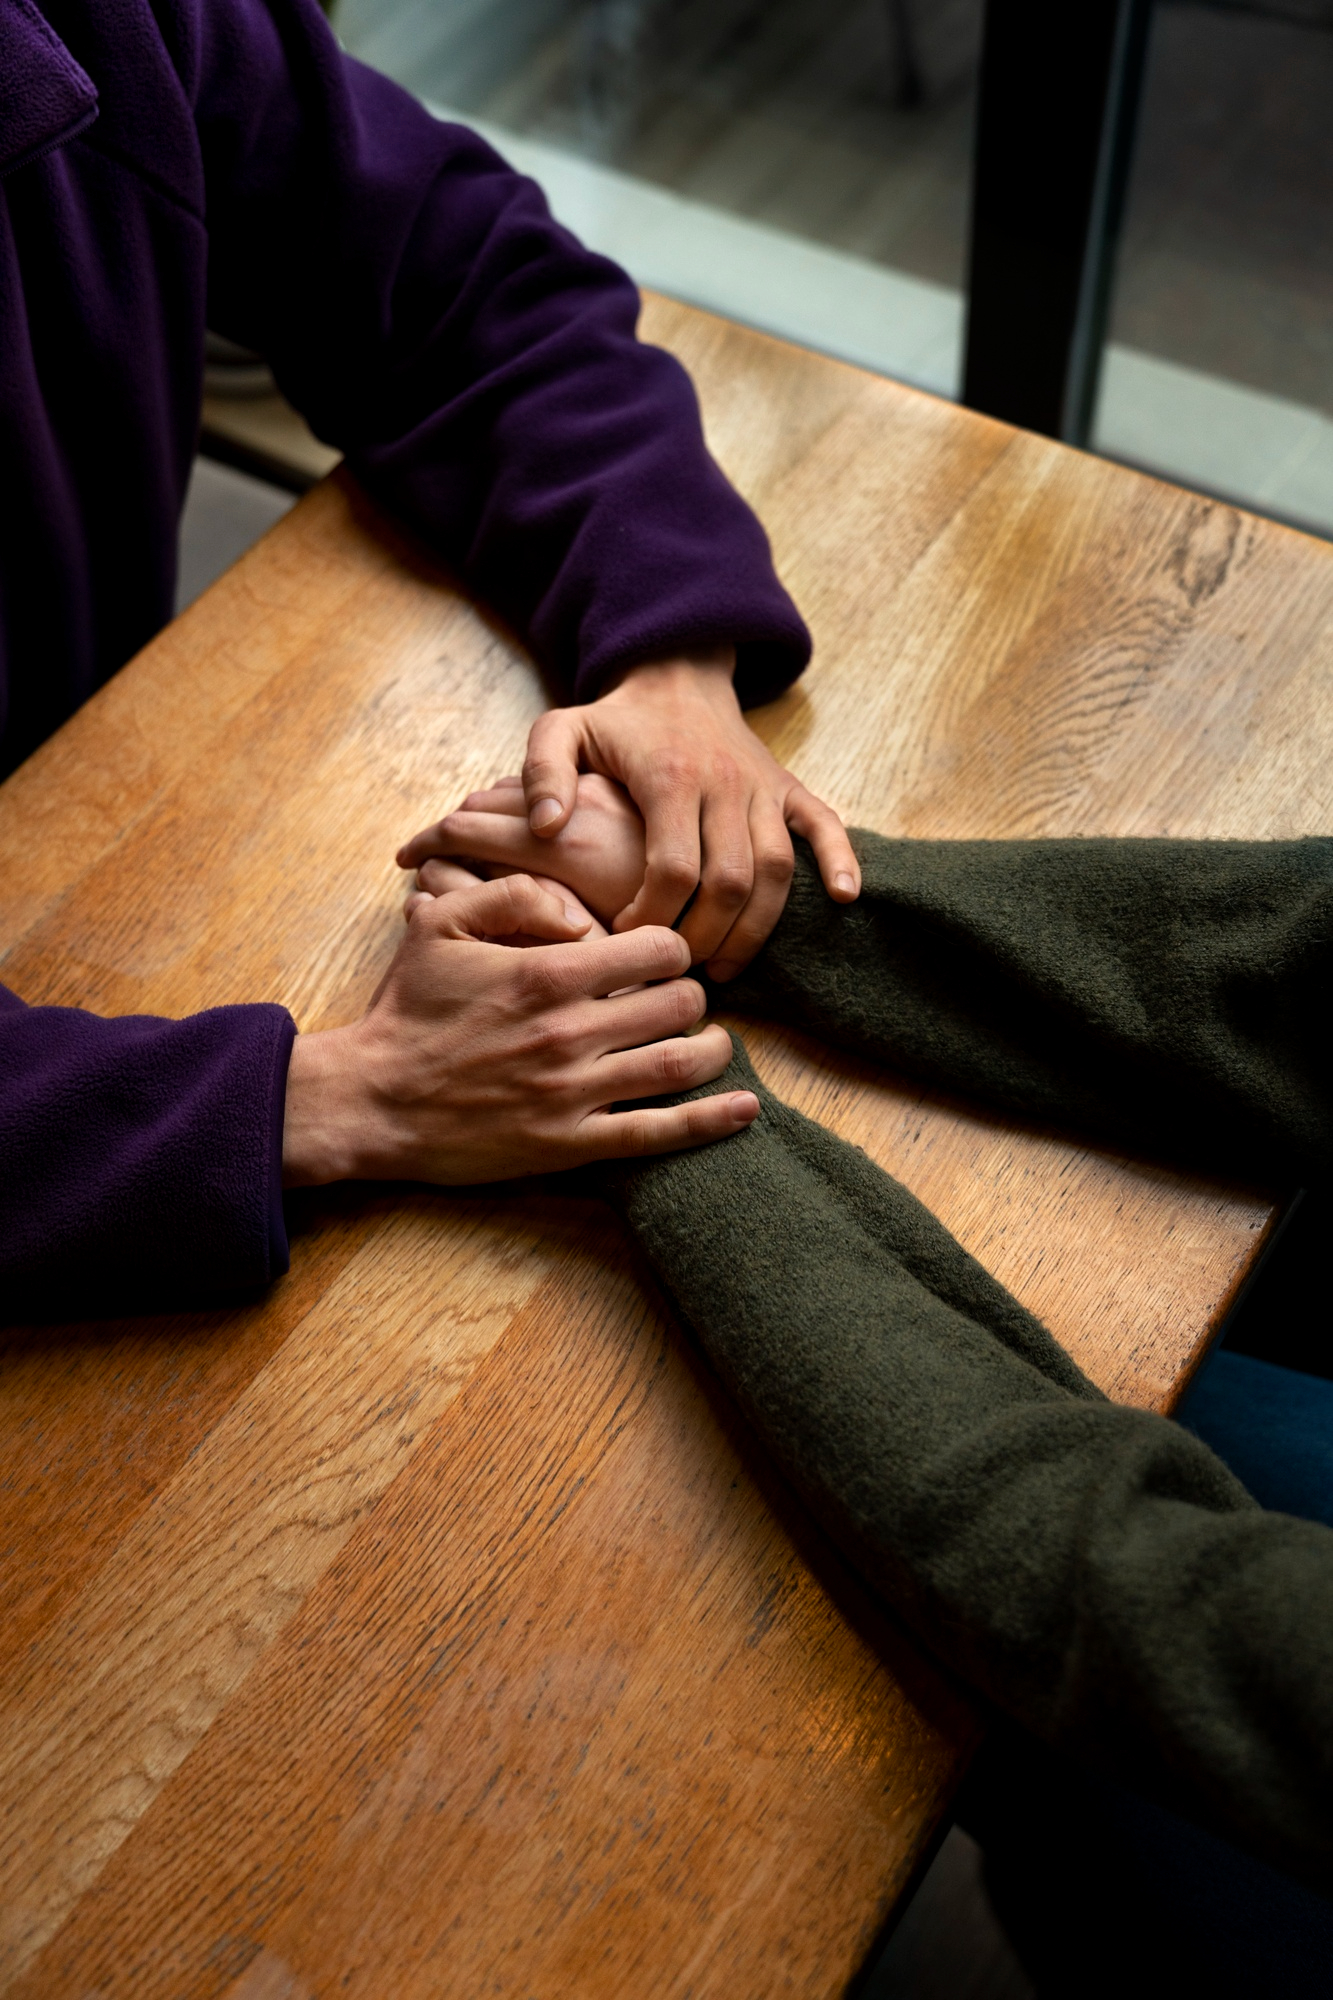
431,1627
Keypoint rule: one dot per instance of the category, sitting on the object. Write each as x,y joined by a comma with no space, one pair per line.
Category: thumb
551,769
511,906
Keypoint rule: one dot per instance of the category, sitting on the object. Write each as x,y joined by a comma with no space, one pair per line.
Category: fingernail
543,813
745,1107
845,883
576,917
724,969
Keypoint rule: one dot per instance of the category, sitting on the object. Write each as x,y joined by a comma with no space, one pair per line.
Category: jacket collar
45,98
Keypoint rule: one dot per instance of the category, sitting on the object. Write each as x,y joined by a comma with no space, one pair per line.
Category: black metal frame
1058,102
226,450
1059,94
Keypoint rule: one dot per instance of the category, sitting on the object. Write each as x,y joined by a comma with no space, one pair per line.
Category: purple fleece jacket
166,164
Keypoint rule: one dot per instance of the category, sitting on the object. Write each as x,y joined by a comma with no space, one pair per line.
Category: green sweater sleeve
1093,1570
1170,996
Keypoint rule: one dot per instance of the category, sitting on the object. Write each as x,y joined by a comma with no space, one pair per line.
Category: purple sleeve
477,365
140,1159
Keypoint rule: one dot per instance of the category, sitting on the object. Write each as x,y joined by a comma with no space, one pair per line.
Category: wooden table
431,1628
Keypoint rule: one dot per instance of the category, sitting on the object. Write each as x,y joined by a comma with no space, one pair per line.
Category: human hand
598,852
716,803
477,1063
447,878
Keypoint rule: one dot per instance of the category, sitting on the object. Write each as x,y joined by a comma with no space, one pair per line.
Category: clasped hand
718,810
478,1062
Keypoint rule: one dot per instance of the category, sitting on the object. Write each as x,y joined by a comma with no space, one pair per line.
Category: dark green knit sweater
1173,996
1093,1570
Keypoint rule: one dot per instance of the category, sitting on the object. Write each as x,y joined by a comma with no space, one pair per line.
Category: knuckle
637,1132
689,1000
663,947
673,770
676,871
540,978
549,734
520,892
776,865
675,1062
546,1035
730,882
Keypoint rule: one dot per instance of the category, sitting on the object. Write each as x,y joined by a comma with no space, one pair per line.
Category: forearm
479,366
139,1158
1091,1570
1171,996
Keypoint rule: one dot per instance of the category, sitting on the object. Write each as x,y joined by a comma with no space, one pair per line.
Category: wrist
330,1119
709,672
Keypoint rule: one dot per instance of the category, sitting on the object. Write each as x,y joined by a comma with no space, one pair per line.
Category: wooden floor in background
790,112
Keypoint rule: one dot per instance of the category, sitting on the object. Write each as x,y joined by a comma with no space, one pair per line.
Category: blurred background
807,166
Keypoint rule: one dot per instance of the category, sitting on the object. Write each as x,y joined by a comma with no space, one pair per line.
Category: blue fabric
1105,1894
1272,1426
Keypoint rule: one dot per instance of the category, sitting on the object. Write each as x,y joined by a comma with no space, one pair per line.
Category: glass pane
1220,368
802,165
